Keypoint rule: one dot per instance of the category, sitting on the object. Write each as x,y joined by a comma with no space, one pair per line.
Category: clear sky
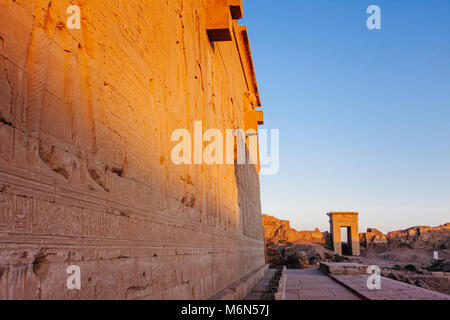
364,115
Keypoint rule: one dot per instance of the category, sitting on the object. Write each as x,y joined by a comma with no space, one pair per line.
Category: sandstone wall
86,176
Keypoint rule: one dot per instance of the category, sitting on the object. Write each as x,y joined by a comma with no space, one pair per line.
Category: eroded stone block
236,9
218,20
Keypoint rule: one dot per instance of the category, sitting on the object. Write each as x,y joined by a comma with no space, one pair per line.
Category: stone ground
315,285
390,289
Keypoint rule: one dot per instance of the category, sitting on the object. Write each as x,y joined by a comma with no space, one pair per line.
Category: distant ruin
349,221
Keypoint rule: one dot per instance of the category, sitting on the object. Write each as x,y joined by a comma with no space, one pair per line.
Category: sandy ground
402,264
394,260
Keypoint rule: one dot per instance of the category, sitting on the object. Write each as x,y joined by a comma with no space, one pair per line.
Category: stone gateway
344,222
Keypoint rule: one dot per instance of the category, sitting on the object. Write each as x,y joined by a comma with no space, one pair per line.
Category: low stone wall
241,288
281,291
332,268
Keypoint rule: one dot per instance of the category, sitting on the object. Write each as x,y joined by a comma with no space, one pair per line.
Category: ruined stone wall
419,237
280,231
86,176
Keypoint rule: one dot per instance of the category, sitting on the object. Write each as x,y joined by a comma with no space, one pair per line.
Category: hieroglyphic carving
85,169
6,212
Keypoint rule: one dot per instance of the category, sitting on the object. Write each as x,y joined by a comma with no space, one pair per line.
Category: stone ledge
236,9
281,291
343,268
353,290
225,294
238,290
218,20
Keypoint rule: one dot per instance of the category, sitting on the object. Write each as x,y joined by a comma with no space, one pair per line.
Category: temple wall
86,176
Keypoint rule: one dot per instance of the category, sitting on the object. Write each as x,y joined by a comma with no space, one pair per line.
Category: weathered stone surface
219,20
372,238
303,260
419,237
439,265
86,176
390,289
436,281
422,237
277,231
236,9
343,268
315,285
274,258
238,290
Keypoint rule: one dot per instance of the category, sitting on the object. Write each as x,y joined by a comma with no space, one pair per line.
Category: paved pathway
315,285
390,289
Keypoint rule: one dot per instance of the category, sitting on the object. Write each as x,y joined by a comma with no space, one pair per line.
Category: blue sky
364,115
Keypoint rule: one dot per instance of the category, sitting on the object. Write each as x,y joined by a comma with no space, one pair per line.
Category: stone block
236,9
336,268
240,288
225,294
218,20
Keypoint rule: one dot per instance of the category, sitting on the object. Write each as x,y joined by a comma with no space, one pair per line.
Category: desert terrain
404,255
